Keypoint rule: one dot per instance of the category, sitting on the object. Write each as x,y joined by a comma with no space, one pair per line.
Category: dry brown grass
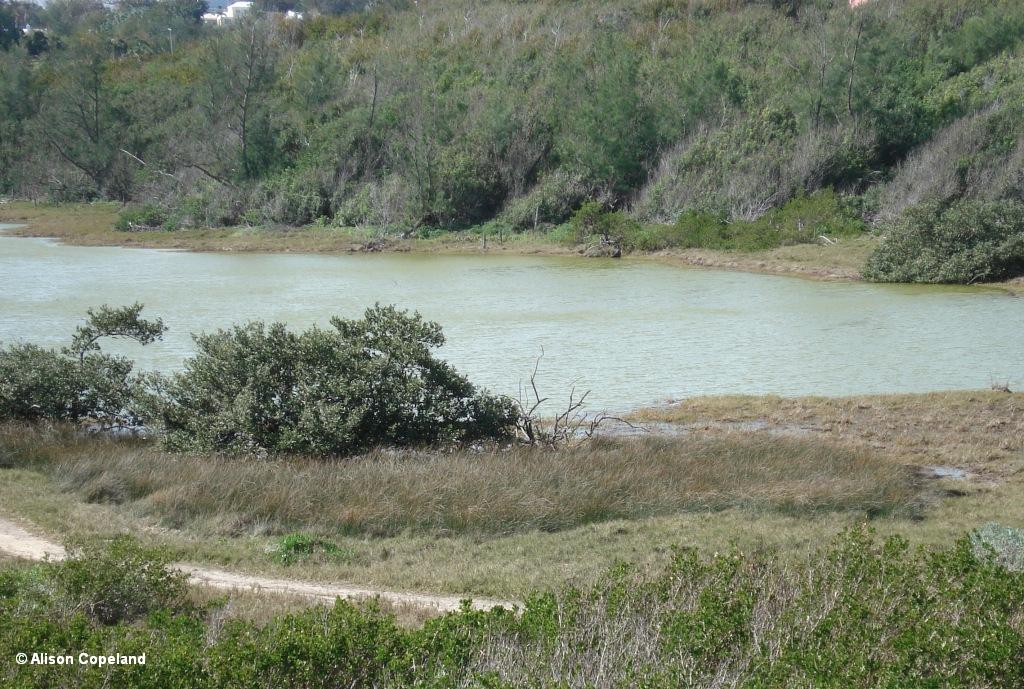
496,491
906,431
979,431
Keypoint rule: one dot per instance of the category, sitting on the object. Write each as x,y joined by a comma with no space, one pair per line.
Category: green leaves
966,242
258,389
858,614
79,382
124,322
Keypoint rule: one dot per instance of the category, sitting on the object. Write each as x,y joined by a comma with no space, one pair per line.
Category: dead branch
572,425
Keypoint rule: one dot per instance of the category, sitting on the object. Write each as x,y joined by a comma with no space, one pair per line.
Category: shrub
145,217
612,227
1006,542
968,241
551,201
119,581
367,382
78,382
295,197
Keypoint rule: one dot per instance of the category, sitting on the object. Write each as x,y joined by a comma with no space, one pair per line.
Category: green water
633,332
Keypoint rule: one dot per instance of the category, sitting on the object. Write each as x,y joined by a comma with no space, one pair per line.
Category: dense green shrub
592,220
551,201
118,582
78,382
366,382
298,547
966,242
858,614
293,198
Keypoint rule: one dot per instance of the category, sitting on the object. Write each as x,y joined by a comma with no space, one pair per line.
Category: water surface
633,332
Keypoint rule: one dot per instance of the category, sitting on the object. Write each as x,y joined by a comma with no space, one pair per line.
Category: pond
633,332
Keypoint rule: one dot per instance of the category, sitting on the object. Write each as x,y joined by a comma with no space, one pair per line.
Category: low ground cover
857,613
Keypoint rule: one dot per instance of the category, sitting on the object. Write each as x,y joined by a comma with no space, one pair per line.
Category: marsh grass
491,492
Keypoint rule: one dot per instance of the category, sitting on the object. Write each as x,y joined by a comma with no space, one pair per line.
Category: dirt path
16,541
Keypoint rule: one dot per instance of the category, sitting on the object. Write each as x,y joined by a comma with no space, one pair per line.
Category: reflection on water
634,332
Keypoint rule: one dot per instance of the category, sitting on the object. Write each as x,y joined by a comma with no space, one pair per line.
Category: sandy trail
18,542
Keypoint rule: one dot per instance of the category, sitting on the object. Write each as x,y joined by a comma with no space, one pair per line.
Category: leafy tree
372,381
80,119
239,71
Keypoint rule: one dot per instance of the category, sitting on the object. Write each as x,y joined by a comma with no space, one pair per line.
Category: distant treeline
405,115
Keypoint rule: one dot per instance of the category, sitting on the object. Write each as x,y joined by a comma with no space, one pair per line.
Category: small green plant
297,547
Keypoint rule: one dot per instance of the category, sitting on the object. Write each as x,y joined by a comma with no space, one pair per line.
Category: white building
230,13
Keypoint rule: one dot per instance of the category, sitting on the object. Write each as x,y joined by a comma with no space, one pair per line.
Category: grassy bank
93,225
753,472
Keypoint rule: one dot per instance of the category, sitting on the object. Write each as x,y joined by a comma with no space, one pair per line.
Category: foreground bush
373,381
78,382
966,242
859,614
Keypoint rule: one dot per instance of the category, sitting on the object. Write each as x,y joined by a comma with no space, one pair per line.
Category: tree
10,32
608,133
239,73
80,119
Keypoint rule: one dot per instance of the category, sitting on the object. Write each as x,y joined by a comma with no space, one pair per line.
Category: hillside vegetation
718,124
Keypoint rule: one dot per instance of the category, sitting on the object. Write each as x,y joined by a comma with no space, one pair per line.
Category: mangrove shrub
968,241
78,382
362,383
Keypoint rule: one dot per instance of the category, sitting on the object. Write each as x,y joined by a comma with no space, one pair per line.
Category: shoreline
94,227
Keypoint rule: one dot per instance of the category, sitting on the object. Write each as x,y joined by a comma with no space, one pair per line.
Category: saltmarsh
721,472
